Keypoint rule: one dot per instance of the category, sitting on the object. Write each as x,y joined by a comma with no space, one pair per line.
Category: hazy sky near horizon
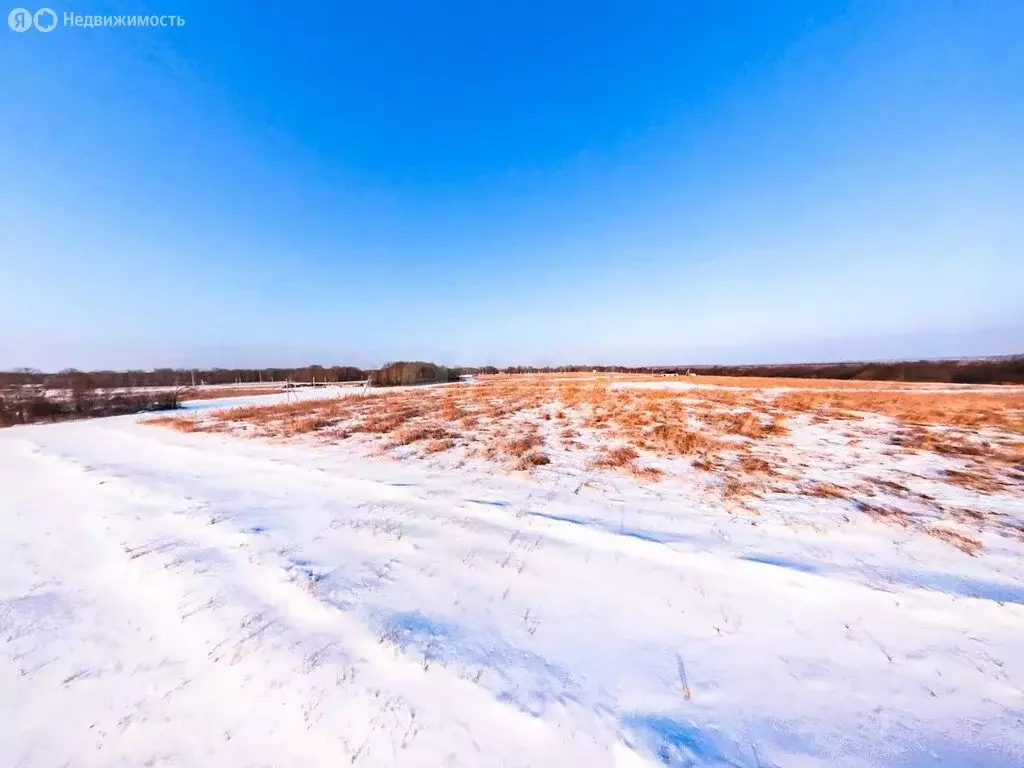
474,183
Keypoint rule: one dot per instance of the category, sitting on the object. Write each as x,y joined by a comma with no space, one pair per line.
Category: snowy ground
197,599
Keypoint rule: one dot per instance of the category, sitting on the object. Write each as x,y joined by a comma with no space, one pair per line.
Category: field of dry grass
747,443
209,393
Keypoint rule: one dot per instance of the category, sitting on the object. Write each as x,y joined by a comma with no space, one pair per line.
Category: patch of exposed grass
966,544
740,435
755,465
886,514
179,423
615,458
681,441
827,491
532,459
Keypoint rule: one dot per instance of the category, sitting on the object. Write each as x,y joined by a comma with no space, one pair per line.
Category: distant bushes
28,405
410,373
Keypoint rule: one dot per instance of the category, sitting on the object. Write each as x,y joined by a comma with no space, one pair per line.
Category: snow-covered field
191,599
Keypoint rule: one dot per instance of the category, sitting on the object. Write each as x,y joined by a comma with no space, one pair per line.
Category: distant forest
1001,370
178,377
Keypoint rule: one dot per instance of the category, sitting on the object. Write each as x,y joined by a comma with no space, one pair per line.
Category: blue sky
478,182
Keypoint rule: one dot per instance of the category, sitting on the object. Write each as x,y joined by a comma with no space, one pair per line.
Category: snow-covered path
175,599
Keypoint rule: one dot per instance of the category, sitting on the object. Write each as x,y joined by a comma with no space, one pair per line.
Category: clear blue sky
516,182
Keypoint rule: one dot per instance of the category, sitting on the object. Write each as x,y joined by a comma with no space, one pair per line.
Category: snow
197,599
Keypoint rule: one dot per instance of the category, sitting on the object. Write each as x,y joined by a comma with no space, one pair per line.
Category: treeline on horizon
179,377
1003,370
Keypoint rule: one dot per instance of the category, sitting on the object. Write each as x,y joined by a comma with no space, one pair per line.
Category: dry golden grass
439,445
679,440
645,474
886,514
738,488
747,424
407,435
740,435
980,479
972,409
625,458
828,491
306,424
382,423
615,458
519,446
532,459
755,465
179,423
967,544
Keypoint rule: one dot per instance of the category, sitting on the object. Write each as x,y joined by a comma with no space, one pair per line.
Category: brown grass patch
966,544
532,459
615,458
886,514
439,445
519,446
383,423
733,433
645,474
739,489
970,409
756,465
407,435
709,462
305,425
979,479
828,491
181,424
681,441
747,424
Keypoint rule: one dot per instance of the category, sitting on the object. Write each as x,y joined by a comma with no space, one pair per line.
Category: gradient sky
518,182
